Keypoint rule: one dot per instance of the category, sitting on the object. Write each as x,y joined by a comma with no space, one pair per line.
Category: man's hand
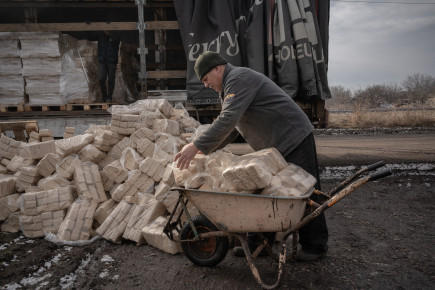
186,155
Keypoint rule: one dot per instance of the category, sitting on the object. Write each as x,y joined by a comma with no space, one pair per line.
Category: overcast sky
380,43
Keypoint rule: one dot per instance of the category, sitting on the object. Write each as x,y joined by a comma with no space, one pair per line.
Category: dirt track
381,237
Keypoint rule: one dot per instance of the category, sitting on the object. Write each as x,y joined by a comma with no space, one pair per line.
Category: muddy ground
381,237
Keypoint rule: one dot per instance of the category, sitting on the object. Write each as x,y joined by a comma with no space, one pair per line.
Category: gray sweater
260,110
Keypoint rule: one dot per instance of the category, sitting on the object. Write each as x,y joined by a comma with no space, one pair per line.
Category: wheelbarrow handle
380,174
375,165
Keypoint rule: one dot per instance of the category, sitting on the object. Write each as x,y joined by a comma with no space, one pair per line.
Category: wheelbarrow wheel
206,252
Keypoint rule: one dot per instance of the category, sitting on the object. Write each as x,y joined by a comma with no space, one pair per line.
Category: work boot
305,256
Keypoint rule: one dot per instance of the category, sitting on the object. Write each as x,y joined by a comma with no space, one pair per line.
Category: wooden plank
167,74
82,26
86,3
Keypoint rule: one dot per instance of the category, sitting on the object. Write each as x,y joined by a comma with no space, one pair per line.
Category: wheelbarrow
205,238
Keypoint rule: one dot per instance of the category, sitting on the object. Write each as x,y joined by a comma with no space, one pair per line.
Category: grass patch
392,118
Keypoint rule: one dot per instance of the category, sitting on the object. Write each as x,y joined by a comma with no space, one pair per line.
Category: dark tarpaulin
206,25
279,38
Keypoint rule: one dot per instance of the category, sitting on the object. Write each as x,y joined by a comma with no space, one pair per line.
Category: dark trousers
313,237
106,71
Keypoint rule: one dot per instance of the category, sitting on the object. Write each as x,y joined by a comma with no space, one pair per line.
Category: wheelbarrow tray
242,213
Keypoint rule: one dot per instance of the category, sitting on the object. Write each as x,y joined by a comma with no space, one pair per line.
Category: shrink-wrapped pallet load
292,181
42,66
77,224
34,203
75,80
154,236
115,224
142,216
87,180
11,78
8,205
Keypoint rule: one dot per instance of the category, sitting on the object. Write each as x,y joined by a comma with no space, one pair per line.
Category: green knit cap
206,62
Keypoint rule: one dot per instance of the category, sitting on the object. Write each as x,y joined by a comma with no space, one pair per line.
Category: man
108,47
266,117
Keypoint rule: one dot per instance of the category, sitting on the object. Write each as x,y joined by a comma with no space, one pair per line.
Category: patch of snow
427,184
67,248
30,241
68,280
107,258
31,280
12,286
5,264
15,259
4,247
104,274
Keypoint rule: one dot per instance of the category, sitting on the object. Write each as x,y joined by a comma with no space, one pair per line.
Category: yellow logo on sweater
229,97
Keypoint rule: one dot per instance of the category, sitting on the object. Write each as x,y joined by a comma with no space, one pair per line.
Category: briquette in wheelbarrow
254,170
291,181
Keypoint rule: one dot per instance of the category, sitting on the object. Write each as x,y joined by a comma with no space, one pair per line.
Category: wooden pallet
11,108
87,107
44,108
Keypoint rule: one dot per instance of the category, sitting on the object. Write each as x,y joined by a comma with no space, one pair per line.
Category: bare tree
376,96
341,98
419,86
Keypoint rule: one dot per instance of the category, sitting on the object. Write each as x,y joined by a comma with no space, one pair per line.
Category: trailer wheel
206,252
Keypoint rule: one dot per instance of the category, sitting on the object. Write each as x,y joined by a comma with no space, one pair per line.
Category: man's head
209,69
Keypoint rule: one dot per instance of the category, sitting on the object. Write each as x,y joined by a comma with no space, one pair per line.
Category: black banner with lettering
279,38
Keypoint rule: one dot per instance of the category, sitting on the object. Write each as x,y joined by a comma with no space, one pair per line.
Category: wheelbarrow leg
250,258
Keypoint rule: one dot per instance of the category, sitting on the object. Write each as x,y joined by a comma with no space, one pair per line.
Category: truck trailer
160,41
